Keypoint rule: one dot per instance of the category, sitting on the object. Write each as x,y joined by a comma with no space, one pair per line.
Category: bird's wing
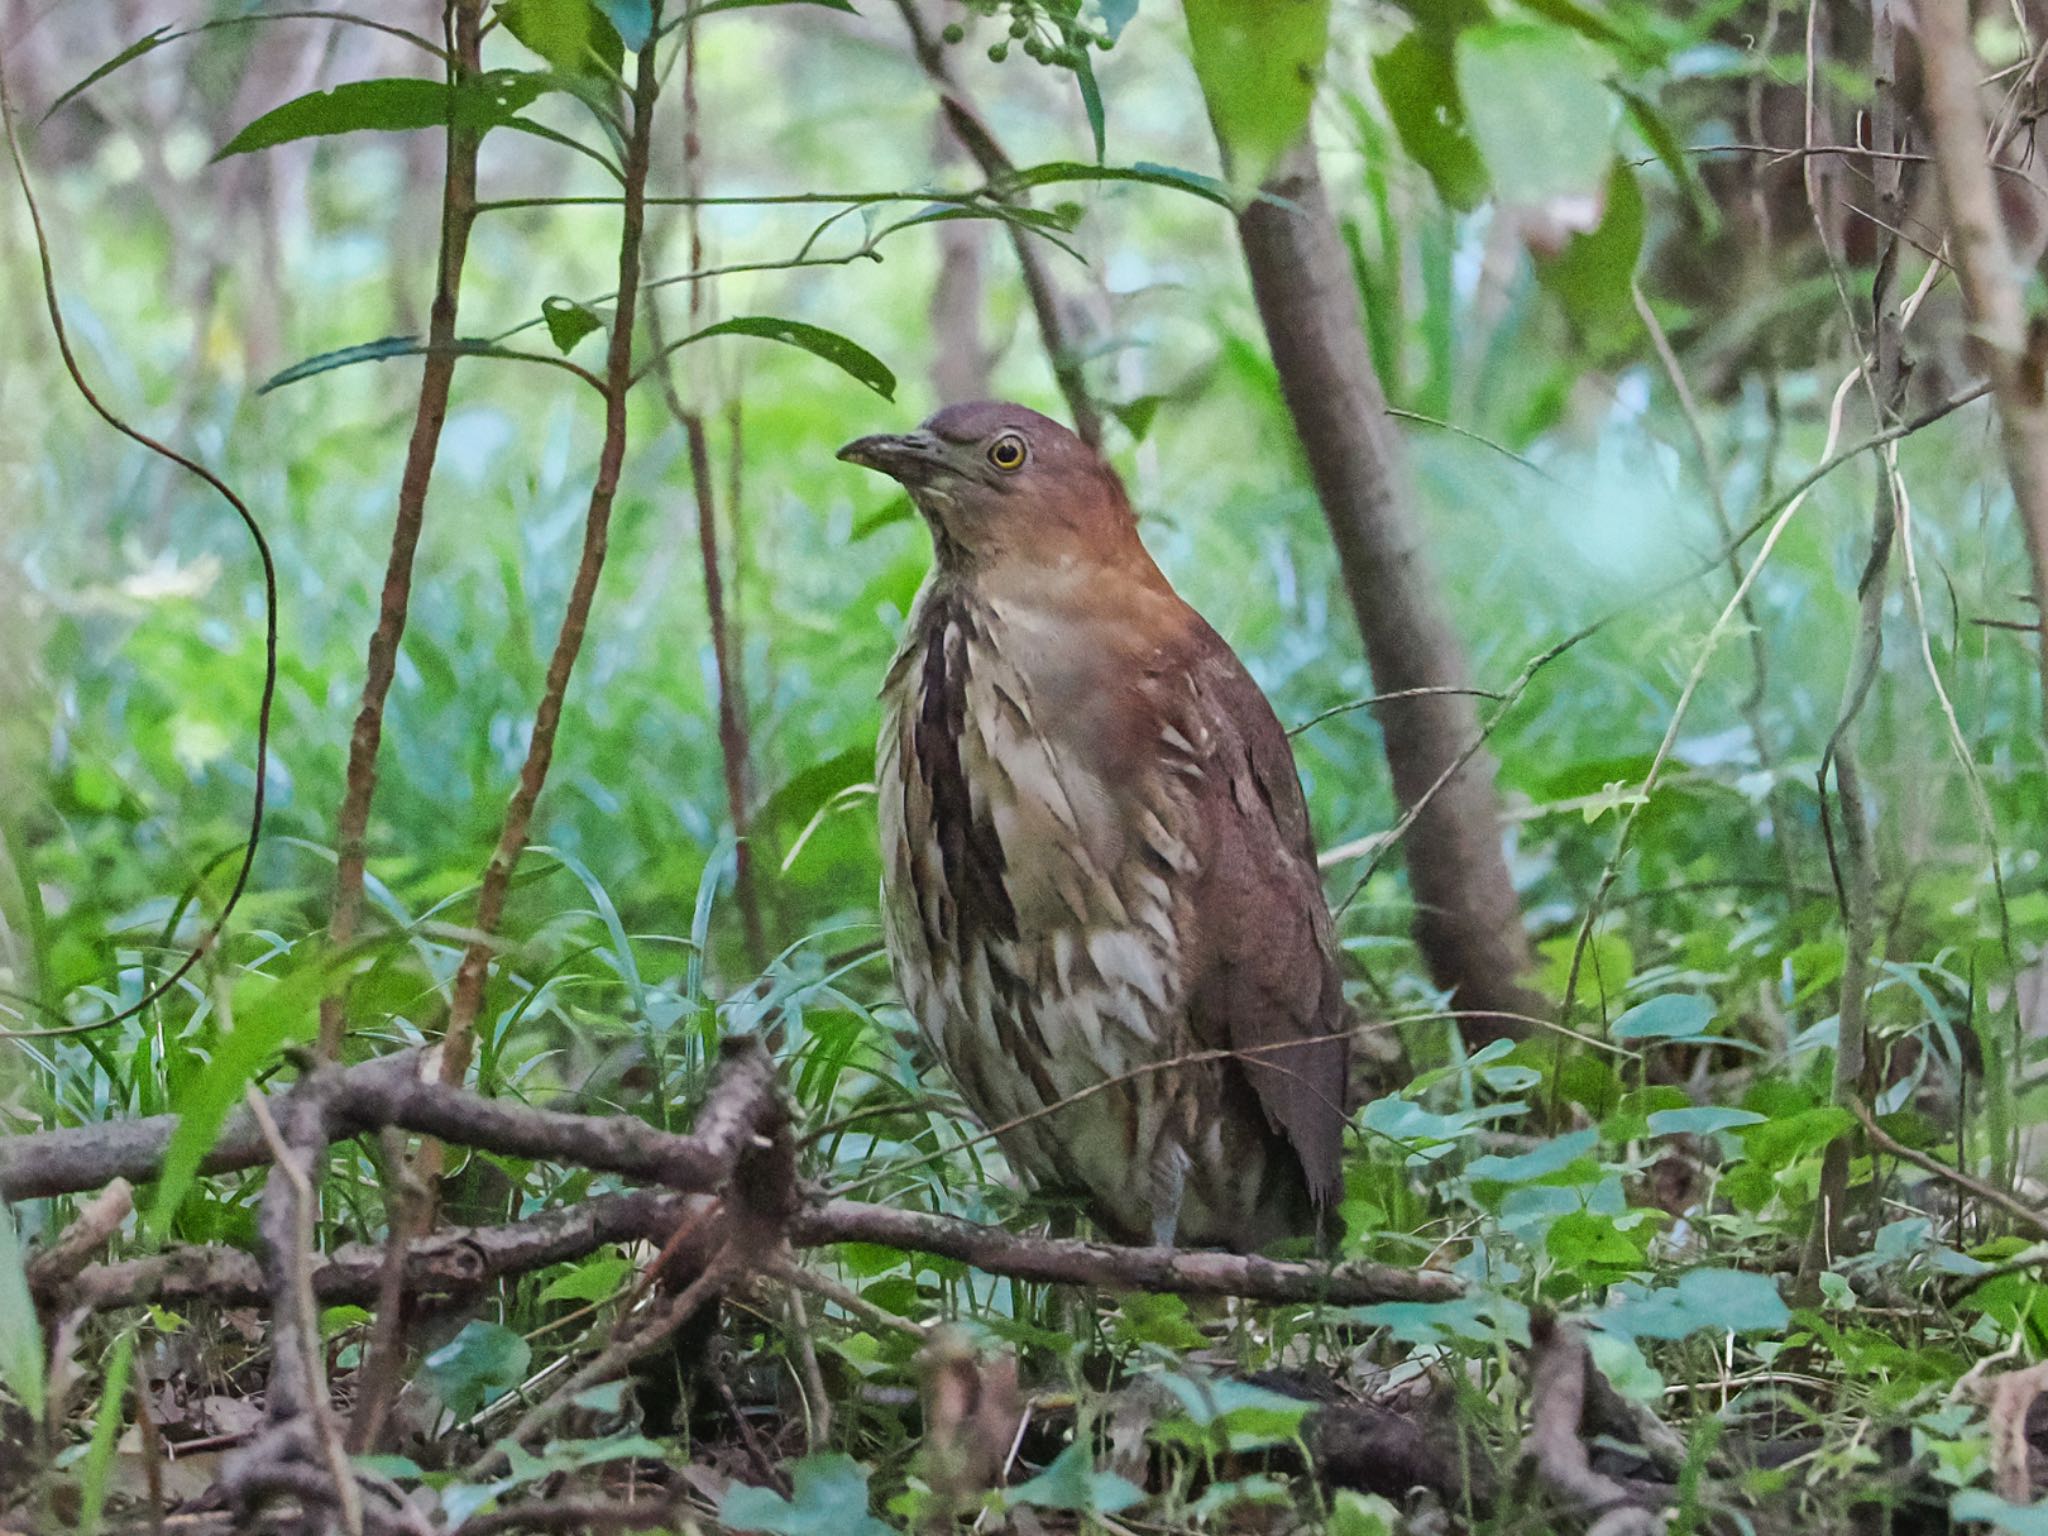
1262,974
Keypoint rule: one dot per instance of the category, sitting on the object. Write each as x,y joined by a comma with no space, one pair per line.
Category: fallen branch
1182,1272
403,1091
458,1261
1555,1447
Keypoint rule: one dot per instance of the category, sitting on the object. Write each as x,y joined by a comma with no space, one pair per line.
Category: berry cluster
1051,34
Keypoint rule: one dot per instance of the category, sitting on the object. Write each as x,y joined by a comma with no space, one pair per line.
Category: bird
1099,884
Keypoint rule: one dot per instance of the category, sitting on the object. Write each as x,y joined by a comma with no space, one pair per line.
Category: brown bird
1098,881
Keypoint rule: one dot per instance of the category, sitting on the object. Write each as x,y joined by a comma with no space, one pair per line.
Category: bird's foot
1169,1188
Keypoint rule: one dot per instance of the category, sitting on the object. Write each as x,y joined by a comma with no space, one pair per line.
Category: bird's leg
1169,1186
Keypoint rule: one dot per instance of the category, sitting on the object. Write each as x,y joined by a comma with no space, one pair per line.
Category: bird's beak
911,457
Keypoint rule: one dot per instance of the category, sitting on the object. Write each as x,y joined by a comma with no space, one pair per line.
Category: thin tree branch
437,374
474,969
2011,346
974,134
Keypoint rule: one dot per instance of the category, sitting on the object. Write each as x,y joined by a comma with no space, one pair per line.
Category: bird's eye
1007,452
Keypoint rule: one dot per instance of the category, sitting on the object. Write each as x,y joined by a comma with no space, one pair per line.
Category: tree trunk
1467,920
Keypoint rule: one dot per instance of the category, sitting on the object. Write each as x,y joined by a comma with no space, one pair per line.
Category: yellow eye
1007,452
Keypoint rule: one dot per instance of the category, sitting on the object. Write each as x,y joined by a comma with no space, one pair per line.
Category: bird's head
1000,483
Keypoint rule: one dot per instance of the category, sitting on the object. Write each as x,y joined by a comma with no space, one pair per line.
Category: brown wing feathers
1266,968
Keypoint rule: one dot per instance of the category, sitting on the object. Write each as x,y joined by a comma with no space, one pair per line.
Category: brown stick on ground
1468,921
1558,1371
458,214
2012,348
299,1453
975,137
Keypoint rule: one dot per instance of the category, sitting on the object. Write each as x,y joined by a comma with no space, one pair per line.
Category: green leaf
1538,106
1670,153
1138,415
1594,275
568,321
742,5
1091,103
1258,65
341,357
1242,1416
592,1280
21,1332
106,1430
266,1015
572,35
1056,171
1702,1120
148,43
1419,86
1072,1483
1582,1239
632,19
1778,1143
1669,1016
1553,1156
1978,1506
393,105
834,348
1724,1300
1483,1318
1361,1514
828,1497
481,1362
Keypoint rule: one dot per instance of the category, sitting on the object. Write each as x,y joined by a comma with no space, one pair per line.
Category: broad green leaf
1419,87
592,1280
828,1497
1669,1016
1581,1240
834,348
479,1363
1978,1506
391,105
568,322
1552,1156
572,35
1483,1319
1723,1300
1538,106
1258,66
1703,1120
1242,1416
1072,1483
1361,1514
21,1332
1594,275
1777,1143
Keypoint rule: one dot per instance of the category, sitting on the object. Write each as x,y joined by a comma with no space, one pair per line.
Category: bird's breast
1032,908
